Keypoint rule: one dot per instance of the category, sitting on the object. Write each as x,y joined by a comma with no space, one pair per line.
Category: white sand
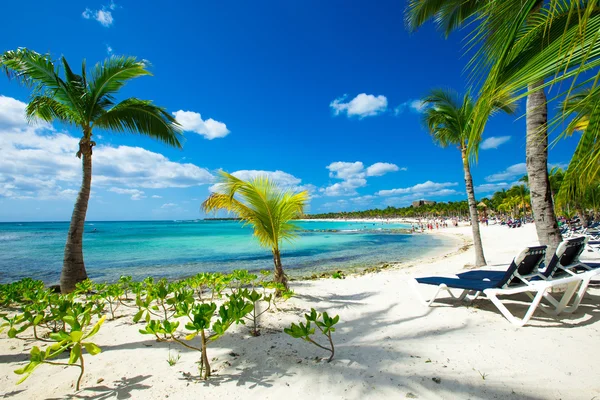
388,346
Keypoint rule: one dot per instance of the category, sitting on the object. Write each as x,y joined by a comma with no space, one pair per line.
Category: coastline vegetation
205,306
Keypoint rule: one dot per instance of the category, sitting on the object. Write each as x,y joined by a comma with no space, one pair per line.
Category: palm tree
449,122
521,43
266,207
87,102
521,193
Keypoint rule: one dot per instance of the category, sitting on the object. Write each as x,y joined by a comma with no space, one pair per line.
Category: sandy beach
387,346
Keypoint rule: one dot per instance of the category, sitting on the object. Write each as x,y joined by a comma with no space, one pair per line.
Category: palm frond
109,77
49,109
144,118
262,204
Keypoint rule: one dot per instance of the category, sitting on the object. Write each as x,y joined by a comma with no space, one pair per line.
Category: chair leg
508,315
442,287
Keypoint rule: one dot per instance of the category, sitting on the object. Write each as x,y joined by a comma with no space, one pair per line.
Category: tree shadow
11,394
121,389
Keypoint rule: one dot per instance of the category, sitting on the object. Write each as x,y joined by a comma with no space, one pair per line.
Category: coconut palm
521,193
522,43
87,102
449,120
266,207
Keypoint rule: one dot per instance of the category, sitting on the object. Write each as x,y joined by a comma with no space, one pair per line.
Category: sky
320,96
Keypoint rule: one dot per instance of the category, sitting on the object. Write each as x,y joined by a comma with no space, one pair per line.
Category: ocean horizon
177,248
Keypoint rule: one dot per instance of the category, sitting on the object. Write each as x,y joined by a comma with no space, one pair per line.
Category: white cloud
109,50
136,194
168,205
416,106
381,168
491,187
155,196
353,176
41,163
193,122
103,16
363,105
363,200
427,187
283,179
493,142
516,170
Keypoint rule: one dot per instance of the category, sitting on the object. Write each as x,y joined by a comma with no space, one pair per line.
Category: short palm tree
87,102
449,119
262,204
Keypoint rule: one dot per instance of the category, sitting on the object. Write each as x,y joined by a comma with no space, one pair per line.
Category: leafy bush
323,322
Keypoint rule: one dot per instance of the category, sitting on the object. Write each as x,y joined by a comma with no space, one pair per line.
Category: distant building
419,203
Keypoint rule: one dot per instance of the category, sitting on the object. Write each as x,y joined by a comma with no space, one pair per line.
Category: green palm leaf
141,117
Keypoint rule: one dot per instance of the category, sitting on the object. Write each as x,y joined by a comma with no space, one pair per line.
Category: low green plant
200,323
172,359
255,298
323,322
76,339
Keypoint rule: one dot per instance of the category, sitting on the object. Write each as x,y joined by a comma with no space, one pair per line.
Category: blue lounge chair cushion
492,275
465,284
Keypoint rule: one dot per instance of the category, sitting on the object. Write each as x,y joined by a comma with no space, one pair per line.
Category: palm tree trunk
582,215
280,276
542,206
479,257
73,270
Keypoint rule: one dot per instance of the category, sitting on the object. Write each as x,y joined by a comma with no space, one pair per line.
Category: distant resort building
419,203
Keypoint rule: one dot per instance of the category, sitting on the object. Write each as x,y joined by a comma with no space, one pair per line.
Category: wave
8,237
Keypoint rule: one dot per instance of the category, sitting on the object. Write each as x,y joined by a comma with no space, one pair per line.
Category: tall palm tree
266,207
521,44
449,119
87,102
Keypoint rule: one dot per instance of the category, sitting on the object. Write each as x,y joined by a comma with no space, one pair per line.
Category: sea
176,249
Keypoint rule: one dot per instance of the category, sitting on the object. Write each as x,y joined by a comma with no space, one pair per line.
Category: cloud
155,196
491,187
168,205
381,168
109,50
192,122
41,163
427,187
363,200
416,106
353,176
493,142
516,170
136,194
363,105
283,179
104,15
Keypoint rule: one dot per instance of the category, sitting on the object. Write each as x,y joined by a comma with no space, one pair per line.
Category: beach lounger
518,278
564,263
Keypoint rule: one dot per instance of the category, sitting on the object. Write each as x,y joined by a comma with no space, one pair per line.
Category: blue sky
322,96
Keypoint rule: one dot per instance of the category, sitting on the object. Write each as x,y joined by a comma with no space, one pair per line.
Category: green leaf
92,348
75,353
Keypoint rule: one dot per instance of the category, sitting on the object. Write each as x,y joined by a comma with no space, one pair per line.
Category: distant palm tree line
514,202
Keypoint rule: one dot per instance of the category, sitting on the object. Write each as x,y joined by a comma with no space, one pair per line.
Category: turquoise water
175,249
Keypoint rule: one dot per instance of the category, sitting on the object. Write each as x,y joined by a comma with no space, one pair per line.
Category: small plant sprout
75,340
254,297
323,322
172,359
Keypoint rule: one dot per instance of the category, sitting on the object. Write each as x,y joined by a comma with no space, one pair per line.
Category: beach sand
387,346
